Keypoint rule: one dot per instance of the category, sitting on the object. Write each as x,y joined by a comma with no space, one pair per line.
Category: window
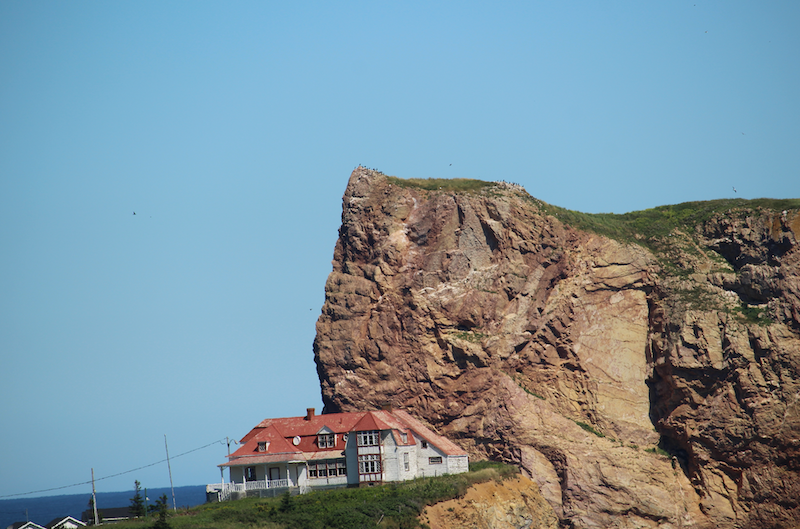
404,437
435,460
369,438
405,461
250,473
262,446
424,444
326,440
325,469
369,464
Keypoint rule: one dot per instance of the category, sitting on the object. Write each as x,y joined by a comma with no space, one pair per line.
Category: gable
443,444
369,422
65,522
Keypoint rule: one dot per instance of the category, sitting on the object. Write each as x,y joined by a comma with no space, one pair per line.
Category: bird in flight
134,213
734,189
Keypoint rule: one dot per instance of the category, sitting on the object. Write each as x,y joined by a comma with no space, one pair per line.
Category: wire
112,475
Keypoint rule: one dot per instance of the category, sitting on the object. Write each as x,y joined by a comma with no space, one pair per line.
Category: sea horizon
43,509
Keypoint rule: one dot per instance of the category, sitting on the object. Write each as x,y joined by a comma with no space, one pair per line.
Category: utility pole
174,506
228,440
94,501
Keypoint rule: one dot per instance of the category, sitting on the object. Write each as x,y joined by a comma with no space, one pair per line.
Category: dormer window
404,437
326,440
263,446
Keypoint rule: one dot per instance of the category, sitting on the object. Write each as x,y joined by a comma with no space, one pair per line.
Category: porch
227,491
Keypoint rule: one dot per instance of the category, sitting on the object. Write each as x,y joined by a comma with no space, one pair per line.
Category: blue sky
231,129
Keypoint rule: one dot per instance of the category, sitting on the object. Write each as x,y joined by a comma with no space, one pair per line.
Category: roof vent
309,413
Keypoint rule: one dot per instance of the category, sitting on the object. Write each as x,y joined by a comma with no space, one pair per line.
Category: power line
112,475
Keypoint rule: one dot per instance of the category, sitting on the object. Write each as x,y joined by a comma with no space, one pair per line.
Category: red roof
295,438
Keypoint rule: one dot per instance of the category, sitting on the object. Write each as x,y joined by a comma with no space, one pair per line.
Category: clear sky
231,128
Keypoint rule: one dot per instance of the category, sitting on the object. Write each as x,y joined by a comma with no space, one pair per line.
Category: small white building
336,450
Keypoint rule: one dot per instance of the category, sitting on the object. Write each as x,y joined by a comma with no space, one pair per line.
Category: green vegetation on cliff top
661,220
390,506
635,226
456,185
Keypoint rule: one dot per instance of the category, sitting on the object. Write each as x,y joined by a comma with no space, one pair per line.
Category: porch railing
226,489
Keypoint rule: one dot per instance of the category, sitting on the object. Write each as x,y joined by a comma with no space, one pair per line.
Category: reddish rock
572,354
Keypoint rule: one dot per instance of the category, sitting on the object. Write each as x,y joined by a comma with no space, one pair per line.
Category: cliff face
632,387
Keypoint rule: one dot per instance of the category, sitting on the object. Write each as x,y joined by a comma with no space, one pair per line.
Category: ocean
44,509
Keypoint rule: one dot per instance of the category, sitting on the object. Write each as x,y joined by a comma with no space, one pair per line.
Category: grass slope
391,506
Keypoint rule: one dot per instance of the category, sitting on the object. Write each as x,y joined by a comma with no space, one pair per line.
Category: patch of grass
457,185
501,470
755,315
659,451
589,428
520,384
395,505
699,298
470,336
529,392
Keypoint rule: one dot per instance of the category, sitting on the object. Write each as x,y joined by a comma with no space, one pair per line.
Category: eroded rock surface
631,387
510,504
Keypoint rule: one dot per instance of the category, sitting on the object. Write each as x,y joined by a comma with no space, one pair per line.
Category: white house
336,450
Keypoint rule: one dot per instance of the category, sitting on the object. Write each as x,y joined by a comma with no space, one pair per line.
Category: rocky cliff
646,380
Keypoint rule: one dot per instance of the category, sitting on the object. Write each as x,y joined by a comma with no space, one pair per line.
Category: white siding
424,468
457,464
391,464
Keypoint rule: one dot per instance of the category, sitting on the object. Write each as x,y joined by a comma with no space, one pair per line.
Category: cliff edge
650,378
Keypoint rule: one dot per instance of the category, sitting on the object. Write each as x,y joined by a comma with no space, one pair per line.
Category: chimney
387,407
309,413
